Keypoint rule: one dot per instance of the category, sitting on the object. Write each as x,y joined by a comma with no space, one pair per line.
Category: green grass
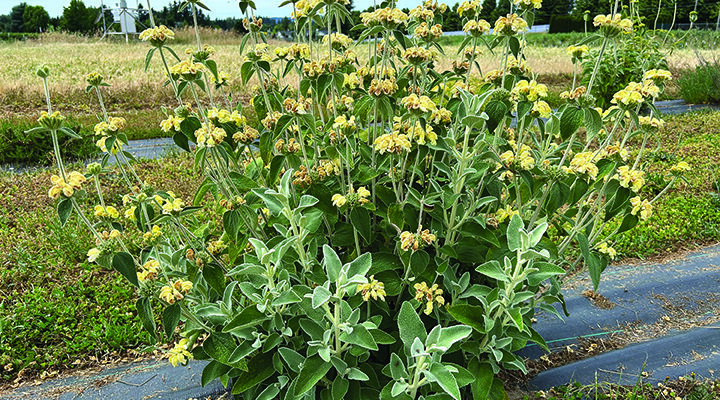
701,85
688,215
685,388
57,311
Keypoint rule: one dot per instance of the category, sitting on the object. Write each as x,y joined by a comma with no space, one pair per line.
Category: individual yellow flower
93,254
74,183
583,163
392,143
339,200
414,241
171,123
657,75
612,25
541,109
476,28
469,8
529,90
429,295
643,207
630,178
187,69
170,295
149,270
157,35
363,192
651,122
578,52
154,234
682,166
179,354
51,121
528,4
510,25
373,288
505,213
130,214
607,250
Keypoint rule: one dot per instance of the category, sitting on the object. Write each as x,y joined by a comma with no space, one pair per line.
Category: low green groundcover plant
701,85
19,147
385,230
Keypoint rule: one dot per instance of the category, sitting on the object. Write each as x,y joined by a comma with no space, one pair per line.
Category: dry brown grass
70,58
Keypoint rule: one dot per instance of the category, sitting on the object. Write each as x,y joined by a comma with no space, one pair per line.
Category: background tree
78,18
488,7
550,8
35,19
16,18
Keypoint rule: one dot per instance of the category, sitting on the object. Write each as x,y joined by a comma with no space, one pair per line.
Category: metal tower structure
124,17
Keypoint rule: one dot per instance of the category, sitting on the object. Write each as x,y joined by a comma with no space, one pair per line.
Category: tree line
80,18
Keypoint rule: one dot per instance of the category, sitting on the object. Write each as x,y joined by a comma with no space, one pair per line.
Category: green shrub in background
701,85
18,145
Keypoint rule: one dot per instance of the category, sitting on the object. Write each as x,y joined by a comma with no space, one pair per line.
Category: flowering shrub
388,230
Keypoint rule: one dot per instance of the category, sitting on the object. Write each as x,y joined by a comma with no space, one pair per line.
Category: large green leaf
314,369
410,326
170,319
125,264
259,369
144,309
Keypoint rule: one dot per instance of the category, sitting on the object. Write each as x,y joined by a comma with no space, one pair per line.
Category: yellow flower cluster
74,183
657,75
303,8
388,17
51,121
541,109
247,135
524,158
352,198
634,93
429,295
576,94
170,205
469,8
428,34
149,271
417,55
614,149
379,87
209,135
373,288
528,4
612,25
682,166
651,122
641,207
422,13
179,354
157,35
578,52
510,25
413,241
114,125
476,28
529,90
106,212
258,53
583,163
292,146
224,116
505,213
187,69
339,41
418,104
179,288
94,79
93,254
344,124
607,250
171,123
153,235
441,116
299,106
630,178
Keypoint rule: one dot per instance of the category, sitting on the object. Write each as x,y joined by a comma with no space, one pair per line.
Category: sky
219,8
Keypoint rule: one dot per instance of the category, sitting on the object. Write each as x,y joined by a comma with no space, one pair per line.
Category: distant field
70,58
